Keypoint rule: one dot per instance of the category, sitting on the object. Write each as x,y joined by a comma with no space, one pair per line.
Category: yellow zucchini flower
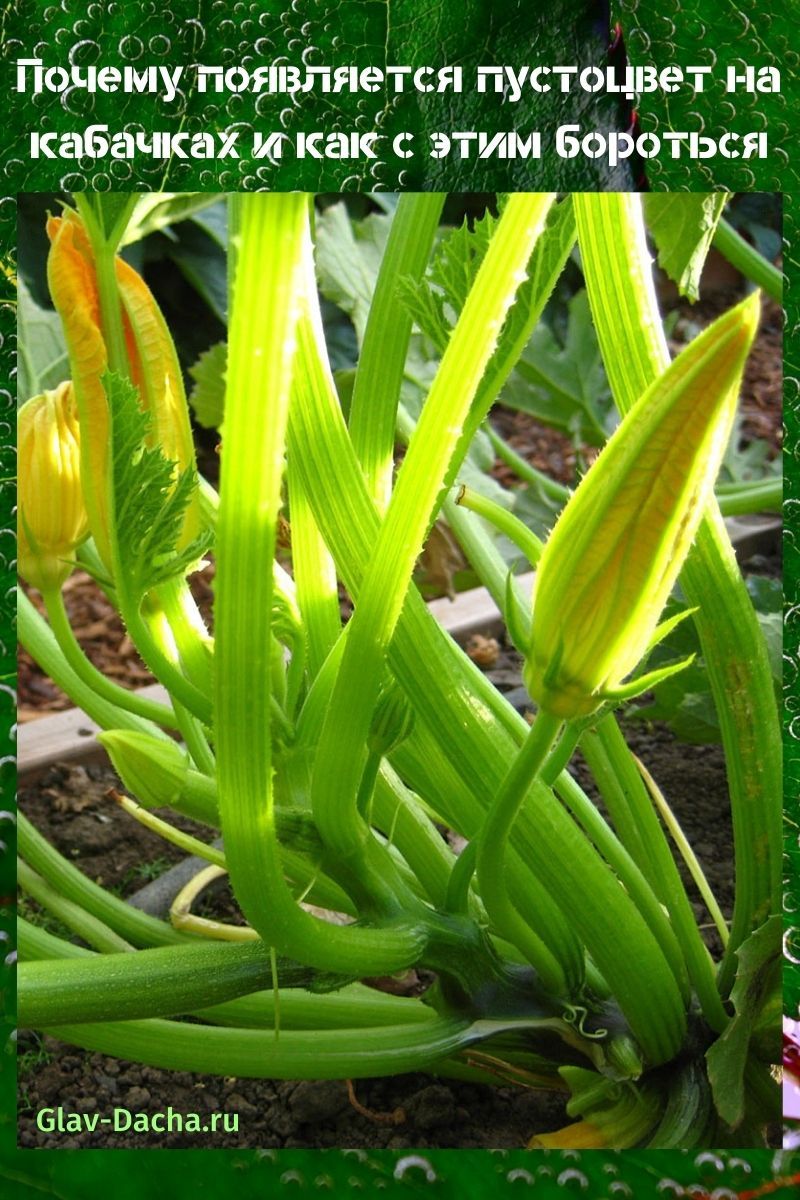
152,362
617,548
52,517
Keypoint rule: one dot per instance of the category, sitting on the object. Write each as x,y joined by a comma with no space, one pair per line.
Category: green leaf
197,248
756,988
160,210
660,35
150,499
683,227
452,273
348,255
564,383
43,360
436,302
207,397
684,702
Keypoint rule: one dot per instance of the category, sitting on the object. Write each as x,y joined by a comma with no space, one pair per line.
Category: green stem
735,499
487,562
76,918
492,572
130,923
275,241
523,469
758,495
366,788
110,307
746,258
38,639
295,677
196,740
687,854
189,631
625,798
632,879
353,1006
457,900
398,812
504,520
315,577
256,1054
94,679
383,353
628,801
111,312
118,363
176,837
181,688
431,452
559,760
496,832
158,623
466,732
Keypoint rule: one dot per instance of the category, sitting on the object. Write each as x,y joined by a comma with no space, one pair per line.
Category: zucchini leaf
756,991
682,227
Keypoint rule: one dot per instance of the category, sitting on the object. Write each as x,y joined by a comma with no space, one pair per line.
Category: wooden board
63,736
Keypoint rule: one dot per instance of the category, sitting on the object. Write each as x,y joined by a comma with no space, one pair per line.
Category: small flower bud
52,515
392,721
152,770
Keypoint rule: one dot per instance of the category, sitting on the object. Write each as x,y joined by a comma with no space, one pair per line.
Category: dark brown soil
276,1114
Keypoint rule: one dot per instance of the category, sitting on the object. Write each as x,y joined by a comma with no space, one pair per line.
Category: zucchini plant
328,755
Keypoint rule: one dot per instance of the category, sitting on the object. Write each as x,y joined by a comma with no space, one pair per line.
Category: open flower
52,516
618,546
152,361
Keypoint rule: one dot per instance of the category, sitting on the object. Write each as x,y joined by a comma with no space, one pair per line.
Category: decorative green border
657,31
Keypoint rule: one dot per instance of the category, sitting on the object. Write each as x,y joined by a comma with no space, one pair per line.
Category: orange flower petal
153,363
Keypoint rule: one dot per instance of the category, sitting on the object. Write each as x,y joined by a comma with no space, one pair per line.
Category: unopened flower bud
52,516
617,548
392,721
152,770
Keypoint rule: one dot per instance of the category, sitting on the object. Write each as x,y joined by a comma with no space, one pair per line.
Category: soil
69,805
